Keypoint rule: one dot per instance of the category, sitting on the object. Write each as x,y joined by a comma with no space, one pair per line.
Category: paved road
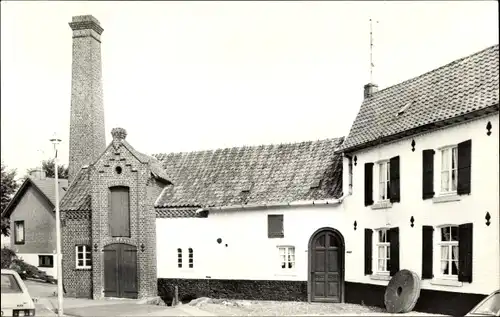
45,298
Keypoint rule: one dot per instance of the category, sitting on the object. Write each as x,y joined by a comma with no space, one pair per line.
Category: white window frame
287,257
383,179
446,155
86,249
438,253
386,246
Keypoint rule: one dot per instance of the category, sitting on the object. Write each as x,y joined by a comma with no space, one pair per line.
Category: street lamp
55,140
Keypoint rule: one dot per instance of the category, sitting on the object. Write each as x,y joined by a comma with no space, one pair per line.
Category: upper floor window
449,163
383,249
448,244
19,232
275,226
119,212
384,180
287,257
83,257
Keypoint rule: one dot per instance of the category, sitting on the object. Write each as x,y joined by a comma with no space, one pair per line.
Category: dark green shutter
394,181
368,184
427,249
368,251
464,166
394,253
465,252
427,174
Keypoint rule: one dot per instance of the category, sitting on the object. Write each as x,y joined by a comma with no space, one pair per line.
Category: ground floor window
45,261
287,257
83,257
448,246
383,251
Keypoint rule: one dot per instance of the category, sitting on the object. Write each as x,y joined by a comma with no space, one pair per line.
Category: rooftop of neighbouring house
237,176
461,90
45,185
253,174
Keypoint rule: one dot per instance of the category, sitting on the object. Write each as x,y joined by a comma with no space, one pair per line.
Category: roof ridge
436,69
335,139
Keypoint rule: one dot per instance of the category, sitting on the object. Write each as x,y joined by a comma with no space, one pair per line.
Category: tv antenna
372,65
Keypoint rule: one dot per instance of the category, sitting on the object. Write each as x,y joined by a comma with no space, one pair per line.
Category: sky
187,76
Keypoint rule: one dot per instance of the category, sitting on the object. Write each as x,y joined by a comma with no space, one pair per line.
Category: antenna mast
371,51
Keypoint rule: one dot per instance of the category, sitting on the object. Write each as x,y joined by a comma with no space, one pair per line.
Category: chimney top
370,89
85,22
38,174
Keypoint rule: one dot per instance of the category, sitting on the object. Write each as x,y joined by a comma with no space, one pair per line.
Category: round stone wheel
402,292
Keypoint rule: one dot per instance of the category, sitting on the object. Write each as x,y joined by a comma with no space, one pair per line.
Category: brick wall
76,230
87,134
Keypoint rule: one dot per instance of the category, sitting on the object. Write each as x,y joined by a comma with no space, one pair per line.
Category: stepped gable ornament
402,292
119,134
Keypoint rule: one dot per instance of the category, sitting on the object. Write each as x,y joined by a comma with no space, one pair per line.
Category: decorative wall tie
412,220
488,217
143,247
413,145
95,247
355,224
488,128
355,160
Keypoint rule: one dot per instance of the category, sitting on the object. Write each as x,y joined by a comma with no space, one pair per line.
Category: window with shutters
448,251
275,227
382,252
19,232
384,180
286,257
83,257
119,211
449,174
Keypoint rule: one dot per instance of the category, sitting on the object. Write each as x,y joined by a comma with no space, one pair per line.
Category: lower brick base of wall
433,302
232,289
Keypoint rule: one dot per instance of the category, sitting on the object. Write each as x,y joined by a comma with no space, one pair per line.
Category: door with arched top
120,270
326,264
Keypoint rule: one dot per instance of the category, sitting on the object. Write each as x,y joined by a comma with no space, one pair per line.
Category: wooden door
326,268
120,271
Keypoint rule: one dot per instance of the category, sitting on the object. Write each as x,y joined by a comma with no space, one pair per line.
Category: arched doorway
120,270
326,266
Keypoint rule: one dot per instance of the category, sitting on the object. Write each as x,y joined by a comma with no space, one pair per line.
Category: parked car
16,301
490,306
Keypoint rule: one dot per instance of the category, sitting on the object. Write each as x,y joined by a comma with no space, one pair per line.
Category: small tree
8,187
48,167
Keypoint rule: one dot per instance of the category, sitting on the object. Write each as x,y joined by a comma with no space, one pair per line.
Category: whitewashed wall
32,258
484,197
250,254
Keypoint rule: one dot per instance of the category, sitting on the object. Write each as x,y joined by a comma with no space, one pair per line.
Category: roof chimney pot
370,89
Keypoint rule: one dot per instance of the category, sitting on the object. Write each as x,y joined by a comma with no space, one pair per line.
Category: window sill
383,204
83,268
446,282
443,198
380,277
286,274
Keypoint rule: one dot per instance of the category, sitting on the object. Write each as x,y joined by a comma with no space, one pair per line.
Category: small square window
286,257
45,261
275,226
83,255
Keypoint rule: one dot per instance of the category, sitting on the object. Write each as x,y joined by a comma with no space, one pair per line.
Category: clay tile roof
464,86
47,187
176,212
78,197
267,174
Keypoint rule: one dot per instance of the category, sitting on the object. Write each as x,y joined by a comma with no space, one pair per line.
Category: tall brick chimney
86,139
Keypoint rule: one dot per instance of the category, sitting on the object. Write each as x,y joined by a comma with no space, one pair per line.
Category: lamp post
55,140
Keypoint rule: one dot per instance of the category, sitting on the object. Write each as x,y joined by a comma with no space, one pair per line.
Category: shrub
7,256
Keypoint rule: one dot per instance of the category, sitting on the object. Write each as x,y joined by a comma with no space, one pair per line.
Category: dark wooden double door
326,267
120,271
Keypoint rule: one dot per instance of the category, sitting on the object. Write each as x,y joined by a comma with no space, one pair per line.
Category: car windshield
490,307
10,284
